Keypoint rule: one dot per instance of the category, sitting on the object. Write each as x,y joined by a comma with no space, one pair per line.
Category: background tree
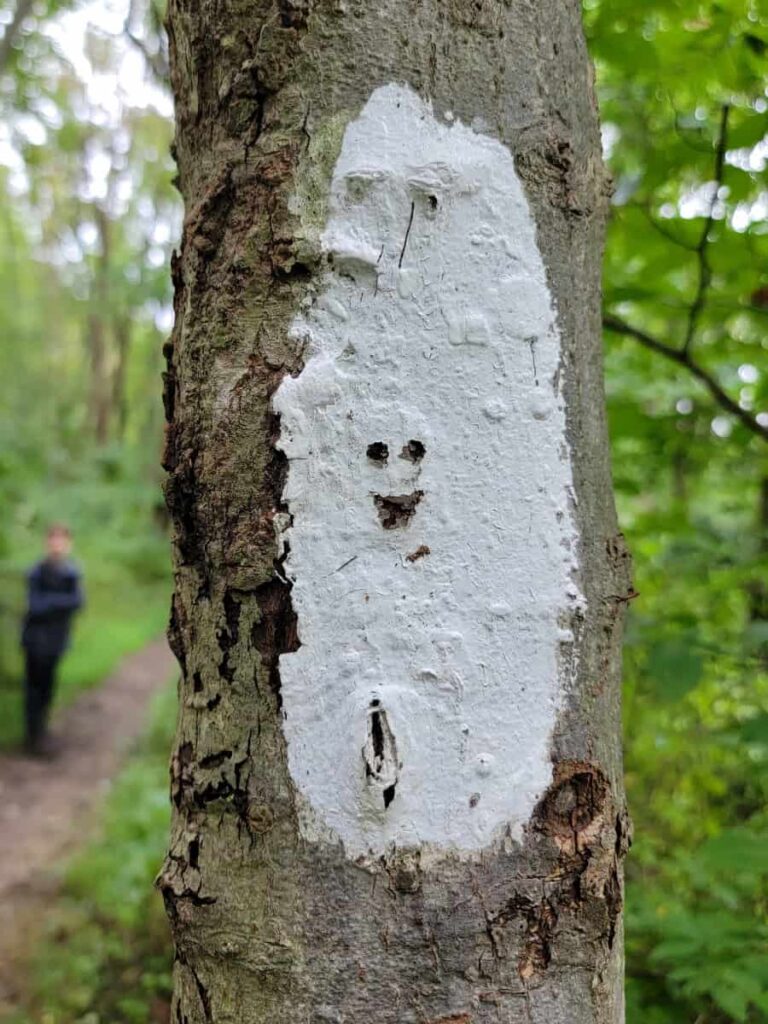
683,101
85,236
309,875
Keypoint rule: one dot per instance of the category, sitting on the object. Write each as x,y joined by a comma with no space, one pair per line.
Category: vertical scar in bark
202,991
182,778
380,753
229,636
276,630
175,634
182,490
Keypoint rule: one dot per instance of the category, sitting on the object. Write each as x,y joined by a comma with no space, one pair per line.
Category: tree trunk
399,582
121,329
98,317
98,395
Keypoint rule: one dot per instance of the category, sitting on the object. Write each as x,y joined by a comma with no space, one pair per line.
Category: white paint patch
434,653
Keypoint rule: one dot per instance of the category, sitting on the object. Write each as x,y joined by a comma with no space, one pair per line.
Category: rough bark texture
268,927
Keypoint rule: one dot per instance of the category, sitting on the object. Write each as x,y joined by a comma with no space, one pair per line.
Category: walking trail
47,806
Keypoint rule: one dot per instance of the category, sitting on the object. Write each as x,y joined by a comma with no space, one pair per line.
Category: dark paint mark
421,552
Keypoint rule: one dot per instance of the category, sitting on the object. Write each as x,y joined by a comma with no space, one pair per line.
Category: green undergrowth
104,956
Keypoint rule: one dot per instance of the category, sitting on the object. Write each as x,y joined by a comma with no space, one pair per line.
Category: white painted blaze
420,705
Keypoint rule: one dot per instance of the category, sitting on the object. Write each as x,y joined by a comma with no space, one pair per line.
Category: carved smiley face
396,510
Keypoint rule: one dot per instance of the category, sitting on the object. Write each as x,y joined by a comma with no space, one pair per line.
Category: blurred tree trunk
309,259
98,320
121,329
99,402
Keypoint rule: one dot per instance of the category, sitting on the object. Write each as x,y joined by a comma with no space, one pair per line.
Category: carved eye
378,452
414,451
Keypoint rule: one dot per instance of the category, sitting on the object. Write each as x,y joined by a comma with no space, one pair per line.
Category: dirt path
46,806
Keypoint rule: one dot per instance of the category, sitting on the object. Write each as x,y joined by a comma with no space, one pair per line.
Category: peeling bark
270,926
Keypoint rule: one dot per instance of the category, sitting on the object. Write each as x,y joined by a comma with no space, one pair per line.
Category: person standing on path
54,595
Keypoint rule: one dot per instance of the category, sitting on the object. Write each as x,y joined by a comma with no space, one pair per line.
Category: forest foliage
85,233
682,88
86,227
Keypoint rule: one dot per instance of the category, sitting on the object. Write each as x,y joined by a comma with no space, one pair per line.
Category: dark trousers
39,684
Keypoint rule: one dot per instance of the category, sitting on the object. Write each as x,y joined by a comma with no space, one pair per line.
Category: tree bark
399,582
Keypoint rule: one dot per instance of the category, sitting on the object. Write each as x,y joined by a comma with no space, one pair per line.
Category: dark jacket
54,595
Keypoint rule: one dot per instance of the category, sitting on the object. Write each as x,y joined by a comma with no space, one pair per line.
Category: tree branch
683,358
156,61
22,10
645,209
705,271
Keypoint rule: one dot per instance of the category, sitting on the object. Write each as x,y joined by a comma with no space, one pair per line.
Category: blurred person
54,595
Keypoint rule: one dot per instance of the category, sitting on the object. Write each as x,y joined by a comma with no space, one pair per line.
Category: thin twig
705,270
684,358
683,134
645,209
343,565
669,235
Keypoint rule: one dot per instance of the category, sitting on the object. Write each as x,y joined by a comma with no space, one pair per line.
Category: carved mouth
396,509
